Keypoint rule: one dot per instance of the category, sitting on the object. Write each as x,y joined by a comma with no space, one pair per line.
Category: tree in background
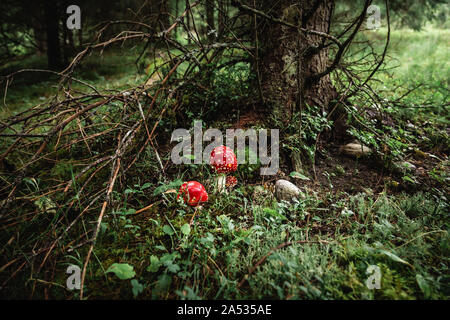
292,59
29,26
53,41
210,21
300,45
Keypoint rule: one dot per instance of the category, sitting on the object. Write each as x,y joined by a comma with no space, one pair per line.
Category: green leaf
347,212
103,227
168,230
163,282
226,222
172,267
125,212
123,271
136,287
172,185
423,285
297,175
160,190
146,185
409,179
274,213
169,257
154,264
186,229
160,247
395,257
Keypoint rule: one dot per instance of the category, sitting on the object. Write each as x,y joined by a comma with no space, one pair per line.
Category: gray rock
356,149
285,190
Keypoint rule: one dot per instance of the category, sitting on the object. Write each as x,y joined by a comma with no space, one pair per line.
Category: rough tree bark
165,14
158,14
38,24
287,58
222,17
53,45
177,12
188,19
210,19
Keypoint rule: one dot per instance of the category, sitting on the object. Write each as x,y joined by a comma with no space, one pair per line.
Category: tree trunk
188,20
286,59
177,13
80,38
221,18
53,46
210,19
37,23
40,39
164,14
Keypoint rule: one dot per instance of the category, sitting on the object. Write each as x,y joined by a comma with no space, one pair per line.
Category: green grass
405,236
112,70
420,61
419,58
411,90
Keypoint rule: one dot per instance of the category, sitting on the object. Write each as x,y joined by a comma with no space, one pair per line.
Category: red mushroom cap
230,181
223,160
193,193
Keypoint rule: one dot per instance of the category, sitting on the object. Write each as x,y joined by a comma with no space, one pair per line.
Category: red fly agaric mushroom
230,181
193,193
224,161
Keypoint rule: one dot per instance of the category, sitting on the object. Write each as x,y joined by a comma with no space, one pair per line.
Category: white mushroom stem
197,208
220,183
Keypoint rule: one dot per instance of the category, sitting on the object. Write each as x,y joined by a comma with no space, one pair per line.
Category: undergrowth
330,237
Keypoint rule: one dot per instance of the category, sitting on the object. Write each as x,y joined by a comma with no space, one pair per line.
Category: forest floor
352,213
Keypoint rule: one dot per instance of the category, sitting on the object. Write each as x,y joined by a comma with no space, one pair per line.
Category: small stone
285,190
356,149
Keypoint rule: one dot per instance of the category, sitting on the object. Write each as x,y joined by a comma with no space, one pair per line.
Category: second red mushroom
223,160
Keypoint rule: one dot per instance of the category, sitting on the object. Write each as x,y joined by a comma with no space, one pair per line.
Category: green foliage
247,169
122,270
137,288
164,187
414,14
301,132
338,235
400,234
297,175
216,90
413,117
